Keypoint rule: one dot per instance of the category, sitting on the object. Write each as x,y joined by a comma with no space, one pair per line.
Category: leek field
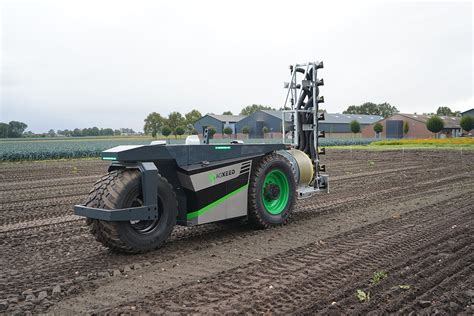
85,147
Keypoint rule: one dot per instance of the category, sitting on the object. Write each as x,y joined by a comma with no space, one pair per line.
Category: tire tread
105,194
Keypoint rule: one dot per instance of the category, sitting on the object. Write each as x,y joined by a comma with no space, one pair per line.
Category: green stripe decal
215,203
109,158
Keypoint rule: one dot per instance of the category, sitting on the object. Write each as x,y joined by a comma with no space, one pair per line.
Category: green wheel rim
276,205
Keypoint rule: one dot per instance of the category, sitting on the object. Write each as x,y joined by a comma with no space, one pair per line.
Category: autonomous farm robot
149,189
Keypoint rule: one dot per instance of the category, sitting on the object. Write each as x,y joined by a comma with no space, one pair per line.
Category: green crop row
42,150
82,148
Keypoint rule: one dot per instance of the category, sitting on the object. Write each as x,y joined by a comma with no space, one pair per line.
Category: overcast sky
67,64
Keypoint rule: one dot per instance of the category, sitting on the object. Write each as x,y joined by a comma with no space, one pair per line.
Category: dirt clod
42,295
3,305
56,290
424,304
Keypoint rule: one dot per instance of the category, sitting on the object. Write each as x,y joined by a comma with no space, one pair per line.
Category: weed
378,276
362,296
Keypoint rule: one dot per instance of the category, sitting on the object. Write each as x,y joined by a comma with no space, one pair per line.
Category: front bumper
141,213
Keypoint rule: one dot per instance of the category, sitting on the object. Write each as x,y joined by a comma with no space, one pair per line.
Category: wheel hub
275,192
272,191
143,227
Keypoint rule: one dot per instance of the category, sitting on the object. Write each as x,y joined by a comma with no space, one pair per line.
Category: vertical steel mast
302,105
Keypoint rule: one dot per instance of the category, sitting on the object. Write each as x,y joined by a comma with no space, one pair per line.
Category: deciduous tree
191,118
435,124
4,130
228,130
16,129
211,131
248,110
154,122
175,119
406,127
178,131
370,108
355,126
444,111
467,122
378,128
166,131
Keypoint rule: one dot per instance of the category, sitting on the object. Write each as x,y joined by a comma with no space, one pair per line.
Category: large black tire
122,189
258,215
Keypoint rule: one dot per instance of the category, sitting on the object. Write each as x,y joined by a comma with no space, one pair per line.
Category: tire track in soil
19,187
445,263
297,215
286,282
22,177
10,217
53,241
46,248
298,235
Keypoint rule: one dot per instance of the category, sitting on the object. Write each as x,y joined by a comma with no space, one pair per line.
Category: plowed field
407,215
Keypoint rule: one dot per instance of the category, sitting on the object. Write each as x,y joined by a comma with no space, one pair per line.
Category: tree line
93,131
178,124
387,110
16,129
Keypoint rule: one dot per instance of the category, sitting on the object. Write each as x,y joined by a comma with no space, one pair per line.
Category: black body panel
186,155
198,200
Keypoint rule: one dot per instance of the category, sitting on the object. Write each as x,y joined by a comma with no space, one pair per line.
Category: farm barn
335,124
468,112
257,121
219,122
393,127
338,125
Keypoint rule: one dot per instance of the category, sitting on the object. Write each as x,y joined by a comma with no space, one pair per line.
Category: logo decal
214,176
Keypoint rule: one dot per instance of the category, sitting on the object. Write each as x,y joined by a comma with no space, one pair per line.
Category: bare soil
407,214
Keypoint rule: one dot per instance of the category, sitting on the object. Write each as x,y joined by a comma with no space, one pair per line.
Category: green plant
362,296
369,108
211,130
246,130
166,131
355,127
467,122
4,130
378,276
444,110
378,128
16,129
435,124
191,117
153,124
174,120
179,131
248,110
228,131
406,127
264,130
